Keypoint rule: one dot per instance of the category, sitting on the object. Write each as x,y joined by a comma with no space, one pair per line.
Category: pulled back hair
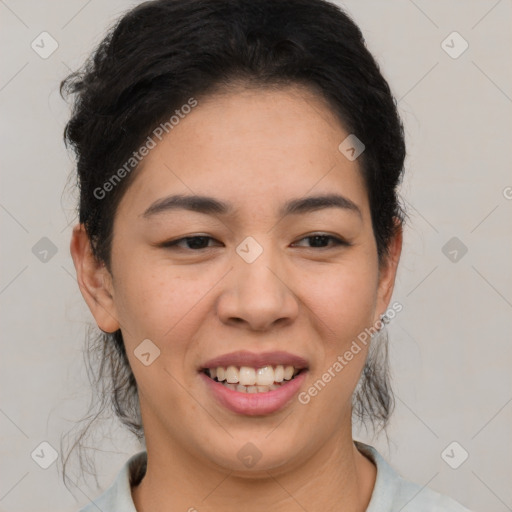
163,52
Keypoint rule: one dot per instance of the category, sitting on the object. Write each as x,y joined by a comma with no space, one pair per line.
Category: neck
336,478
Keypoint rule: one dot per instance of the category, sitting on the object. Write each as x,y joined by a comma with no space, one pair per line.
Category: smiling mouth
246,379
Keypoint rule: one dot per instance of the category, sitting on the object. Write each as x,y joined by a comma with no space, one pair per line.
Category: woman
239,237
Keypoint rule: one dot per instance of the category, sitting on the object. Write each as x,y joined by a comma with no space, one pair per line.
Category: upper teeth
248,376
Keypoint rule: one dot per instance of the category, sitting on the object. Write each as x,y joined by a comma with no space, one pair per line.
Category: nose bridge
258,292
257,267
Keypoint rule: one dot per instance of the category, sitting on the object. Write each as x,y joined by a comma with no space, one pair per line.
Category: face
250,283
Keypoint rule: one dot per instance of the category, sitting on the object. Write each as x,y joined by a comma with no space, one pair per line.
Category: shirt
391,493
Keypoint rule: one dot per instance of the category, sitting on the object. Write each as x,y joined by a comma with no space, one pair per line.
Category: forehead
250,147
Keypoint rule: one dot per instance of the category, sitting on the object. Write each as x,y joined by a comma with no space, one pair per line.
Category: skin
255,148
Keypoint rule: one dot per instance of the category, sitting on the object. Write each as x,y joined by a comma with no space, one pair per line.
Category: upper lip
254,360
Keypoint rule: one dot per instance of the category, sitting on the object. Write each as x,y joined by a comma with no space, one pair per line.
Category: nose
258,295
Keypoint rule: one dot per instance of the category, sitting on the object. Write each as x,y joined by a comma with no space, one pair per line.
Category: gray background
451,344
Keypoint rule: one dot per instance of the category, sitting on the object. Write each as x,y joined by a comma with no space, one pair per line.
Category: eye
200,242
318,240
193,242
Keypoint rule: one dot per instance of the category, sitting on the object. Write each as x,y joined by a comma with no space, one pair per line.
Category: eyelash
174,243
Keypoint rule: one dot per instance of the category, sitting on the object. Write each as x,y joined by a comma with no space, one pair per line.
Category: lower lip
254,404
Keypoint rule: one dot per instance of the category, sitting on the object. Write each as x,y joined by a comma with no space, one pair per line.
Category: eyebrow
211,206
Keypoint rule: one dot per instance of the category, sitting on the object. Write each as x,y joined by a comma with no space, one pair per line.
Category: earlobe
94,280
388,271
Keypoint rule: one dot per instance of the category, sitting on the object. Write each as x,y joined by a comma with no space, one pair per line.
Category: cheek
154,300
344,301
160,306
169,305
343,297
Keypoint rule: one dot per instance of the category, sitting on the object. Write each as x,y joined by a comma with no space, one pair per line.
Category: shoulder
393,493
118,497
412,497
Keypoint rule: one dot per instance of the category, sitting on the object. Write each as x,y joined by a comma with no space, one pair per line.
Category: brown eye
319,241
194,243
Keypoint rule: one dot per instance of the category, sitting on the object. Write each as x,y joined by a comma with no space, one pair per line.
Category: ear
388,270
94,280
